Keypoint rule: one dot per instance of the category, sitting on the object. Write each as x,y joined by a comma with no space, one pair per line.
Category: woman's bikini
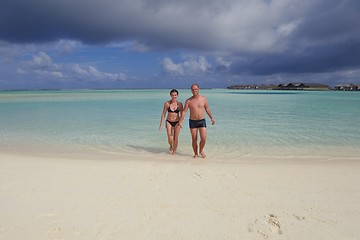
177,110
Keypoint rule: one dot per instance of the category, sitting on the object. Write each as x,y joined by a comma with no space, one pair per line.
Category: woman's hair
174,90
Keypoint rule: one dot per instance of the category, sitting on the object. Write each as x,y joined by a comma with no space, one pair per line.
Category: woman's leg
176,138
169,131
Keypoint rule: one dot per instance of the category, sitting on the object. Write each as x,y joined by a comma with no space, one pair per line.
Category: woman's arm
163,115
183,112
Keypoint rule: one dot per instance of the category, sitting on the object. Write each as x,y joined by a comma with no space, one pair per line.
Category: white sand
57,198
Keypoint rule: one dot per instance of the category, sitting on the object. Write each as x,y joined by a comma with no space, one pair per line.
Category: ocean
251,125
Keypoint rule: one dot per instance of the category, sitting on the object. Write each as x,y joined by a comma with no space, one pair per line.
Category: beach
182,198
90,164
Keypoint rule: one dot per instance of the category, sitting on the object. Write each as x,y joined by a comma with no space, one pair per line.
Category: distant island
298,86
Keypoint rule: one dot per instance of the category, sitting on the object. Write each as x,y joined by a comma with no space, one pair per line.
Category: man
198,105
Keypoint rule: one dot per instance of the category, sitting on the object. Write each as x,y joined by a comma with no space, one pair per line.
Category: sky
101,44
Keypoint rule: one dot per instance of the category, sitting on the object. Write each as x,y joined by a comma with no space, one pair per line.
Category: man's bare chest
196,104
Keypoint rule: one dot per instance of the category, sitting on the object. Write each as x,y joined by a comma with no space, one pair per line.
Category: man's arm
208,111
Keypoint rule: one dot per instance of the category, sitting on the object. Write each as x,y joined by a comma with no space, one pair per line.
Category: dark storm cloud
97,22
329,21
211,25
326,40
327,58
275,36
41,21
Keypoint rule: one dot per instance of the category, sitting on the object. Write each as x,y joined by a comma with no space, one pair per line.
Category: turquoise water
249,124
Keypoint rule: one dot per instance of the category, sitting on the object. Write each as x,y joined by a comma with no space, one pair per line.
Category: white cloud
223,62
92,74
170,67
41,65
67,46
41,61
287,28
191,66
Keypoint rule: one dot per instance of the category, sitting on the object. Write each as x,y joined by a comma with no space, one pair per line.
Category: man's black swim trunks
197,123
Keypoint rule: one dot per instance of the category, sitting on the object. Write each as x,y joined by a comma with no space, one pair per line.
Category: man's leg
193,132
202,141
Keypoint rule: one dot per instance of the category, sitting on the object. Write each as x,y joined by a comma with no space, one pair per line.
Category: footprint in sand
254,228
274,223
271,224
263,235
197,175
300,218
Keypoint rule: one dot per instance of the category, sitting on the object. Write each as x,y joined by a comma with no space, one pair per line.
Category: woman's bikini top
177,110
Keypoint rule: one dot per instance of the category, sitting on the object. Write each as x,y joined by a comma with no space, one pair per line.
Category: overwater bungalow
347,87
303,86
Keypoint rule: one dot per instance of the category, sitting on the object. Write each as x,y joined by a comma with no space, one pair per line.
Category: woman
173,109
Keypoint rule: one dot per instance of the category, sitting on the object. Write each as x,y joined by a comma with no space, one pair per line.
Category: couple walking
176,112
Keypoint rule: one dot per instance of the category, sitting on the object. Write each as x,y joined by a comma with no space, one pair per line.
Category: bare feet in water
202,155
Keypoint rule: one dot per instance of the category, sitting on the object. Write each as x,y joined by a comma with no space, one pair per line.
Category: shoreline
137,198
262,154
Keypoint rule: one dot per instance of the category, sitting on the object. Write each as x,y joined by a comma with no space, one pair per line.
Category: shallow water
249,124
